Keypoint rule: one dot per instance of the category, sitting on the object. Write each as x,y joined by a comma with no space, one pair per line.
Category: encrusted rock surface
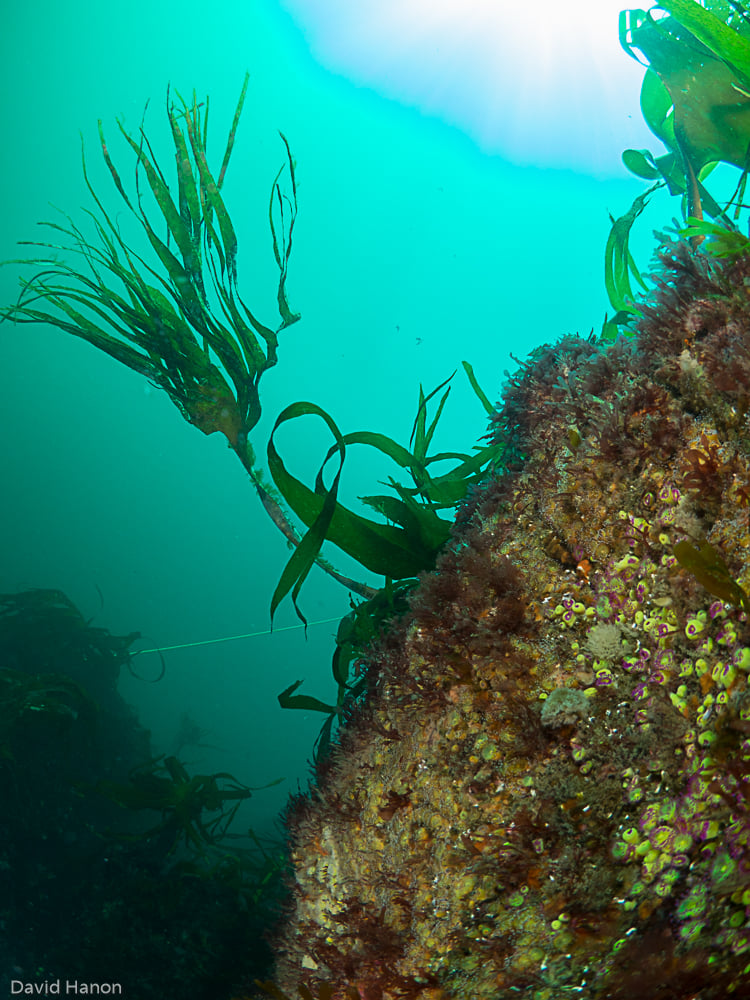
463,843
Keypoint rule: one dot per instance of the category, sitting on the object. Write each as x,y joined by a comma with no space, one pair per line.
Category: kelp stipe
180,320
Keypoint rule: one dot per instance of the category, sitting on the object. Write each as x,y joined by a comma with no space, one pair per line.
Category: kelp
355,632
28,699
619,265
415,533
720,241
405,546
163,785
398,550
186,328
255,873
182,322
709,569
695,98
62,636
696,95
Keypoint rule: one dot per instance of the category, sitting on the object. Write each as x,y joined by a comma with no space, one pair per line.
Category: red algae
465,843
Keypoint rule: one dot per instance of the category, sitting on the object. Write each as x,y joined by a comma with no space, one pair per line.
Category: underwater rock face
547,791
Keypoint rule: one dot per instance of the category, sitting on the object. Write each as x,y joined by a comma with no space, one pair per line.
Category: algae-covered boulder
546,792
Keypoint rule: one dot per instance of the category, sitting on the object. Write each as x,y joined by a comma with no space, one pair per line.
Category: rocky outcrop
546,792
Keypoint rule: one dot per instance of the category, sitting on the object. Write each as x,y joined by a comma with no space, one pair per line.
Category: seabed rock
464,842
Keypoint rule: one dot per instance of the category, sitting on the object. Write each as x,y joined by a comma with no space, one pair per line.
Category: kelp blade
710,570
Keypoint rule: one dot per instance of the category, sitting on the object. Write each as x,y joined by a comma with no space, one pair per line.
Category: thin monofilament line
230,638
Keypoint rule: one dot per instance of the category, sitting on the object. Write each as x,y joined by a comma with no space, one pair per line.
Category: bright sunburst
540,82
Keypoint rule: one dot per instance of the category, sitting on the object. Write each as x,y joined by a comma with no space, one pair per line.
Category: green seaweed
164,785
695,98
709,569
700,108
364,623
410,542
721,242
182,323
619,264
162,325
398,550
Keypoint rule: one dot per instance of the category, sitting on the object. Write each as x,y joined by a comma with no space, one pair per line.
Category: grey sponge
564,707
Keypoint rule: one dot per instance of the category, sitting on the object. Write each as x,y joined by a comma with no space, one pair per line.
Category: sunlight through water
543,83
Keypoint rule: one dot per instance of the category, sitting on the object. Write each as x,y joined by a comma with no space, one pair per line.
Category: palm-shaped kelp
163,324
182,322
163,785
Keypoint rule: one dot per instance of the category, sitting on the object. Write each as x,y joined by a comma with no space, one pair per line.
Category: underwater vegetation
695,98
88,887
181,321
178,318
546,791
541,785
163,785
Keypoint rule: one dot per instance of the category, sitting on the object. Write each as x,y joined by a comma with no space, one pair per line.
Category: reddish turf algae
463,841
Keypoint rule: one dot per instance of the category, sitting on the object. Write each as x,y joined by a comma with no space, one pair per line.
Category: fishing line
230,638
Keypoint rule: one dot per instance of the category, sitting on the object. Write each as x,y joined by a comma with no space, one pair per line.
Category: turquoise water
443,217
